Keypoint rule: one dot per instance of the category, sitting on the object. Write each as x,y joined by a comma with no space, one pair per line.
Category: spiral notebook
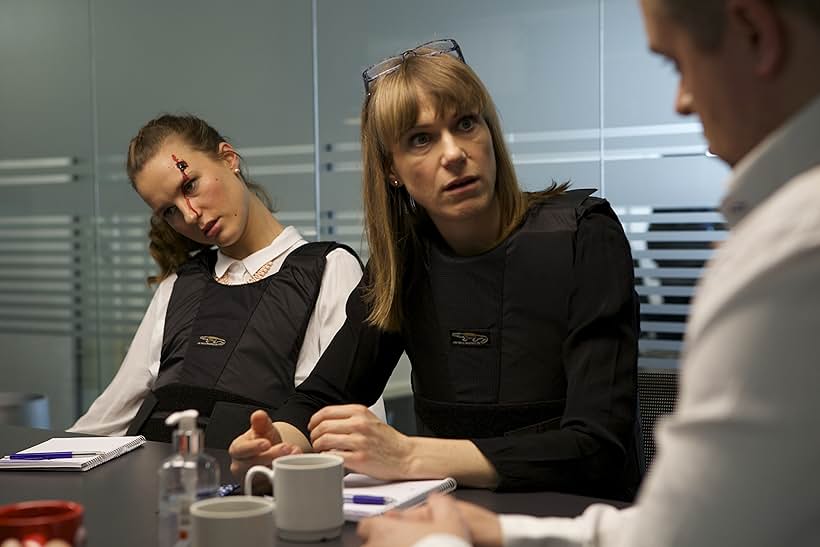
105,449
403,494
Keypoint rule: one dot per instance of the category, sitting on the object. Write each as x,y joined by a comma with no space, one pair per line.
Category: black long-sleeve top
585,384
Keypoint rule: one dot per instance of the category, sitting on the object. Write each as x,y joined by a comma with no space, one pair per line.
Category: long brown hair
169,248
396,228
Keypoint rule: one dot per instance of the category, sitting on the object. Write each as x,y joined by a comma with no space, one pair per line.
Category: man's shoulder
777,240
789,220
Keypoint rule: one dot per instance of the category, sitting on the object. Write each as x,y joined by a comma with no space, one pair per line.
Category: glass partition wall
580,98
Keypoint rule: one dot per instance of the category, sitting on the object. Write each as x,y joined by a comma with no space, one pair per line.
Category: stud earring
396,183
236,170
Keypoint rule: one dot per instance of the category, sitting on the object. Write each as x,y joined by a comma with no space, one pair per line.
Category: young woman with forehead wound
244,306
516,309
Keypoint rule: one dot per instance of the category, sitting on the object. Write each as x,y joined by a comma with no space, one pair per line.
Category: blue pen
368,500
51,455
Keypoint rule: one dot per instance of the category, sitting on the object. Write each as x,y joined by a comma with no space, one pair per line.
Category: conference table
120,496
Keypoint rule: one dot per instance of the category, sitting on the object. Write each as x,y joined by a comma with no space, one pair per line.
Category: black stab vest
228,350
491,341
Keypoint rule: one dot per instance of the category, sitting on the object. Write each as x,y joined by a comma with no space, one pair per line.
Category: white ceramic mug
233,520
307,491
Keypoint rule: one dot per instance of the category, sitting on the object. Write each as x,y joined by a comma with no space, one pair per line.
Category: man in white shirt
737,461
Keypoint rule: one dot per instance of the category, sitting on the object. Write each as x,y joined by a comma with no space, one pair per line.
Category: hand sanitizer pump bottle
186,476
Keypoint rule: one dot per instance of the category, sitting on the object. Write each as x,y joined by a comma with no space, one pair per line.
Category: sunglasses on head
447,46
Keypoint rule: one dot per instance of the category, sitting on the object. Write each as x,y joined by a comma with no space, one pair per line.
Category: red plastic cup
41,521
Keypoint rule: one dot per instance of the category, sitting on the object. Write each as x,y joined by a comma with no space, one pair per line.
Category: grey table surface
120,496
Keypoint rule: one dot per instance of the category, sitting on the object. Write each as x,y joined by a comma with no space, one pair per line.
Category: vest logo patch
214,341
469,338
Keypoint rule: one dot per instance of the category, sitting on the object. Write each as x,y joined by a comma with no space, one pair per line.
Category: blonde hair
395,227
168,248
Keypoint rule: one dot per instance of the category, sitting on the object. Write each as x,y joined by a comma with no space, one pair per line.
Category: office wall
580,98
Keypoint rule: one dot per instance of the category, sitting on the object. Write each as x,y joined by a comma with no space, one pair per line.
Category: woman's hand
367,444
440,515
259,445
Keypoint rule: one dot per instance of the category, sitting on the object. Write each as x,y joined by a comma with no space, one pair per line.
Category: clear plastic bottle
186,476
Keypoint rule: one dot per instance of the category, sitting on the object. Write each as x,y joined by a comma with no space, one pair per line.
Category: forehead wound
182,165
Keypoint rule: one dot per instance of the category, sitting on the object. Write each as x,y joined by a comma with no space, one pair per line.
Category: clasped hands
367,444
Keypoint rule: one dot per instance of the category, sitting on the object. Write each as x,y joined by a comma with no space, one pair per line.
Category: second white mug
235,520
307,491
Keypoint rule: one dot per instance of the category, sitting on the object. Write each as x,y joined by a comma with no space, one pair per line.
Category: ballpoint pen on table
367,500
51,455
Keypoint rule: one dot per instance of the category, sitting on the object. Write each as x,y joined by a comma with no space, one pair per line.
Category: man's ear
228,155
761,26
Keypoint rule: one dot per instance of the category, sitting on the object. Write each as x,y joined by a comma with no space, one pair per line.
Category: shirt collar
784,154
281,243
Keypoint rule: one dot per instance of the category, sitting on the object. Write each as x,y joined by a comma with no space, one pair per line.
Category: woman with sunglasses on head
517,310
235,326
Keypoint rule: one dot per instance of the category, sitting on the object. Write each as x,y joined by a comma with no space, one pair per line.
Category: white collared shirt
112,412
737,462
